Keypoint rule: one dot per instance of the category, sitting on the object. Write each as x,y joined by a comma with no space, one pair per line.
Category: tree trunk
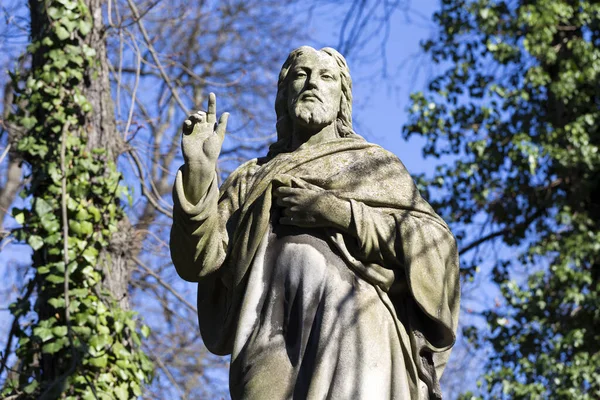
81,239
102,133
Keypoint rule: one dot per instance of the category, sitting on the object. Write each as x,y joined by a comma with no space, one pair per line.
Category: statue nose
311,82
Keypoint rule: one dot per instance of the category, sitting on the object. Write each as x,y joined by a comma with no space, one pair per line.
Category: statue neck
302,134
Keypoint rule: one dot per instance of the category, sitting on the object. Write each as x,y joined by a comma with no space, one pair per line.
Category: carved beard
313,112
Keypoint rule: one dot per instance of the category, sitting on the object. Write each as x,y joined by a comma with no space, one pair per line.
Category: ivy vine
74,341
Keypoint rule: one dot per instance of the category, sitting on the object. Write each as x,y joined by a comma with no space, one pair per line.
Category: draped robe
314,312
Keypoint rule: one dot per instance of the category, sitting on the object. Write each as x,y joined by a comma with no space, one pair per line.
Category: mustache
310,95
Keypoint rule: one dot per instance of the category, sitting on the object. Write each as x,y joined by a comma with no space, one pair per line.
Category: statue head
307,105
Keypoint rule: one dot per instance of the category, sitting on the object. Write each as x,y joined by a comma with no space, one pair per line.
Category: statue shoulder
241,174
376,152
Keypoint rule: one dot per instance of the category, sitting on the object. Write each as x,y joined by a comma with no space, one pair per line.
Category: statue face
315,89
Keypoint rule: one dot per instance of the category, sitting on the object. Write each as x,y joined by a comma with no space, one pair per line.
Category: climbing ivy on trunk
76,336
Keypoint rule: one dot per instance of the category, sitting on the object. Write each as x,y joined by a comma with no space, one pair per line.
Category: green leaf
62,33
84,27
121,392
55,279
68,4
43,333
57,302
75,227
68,24
30,388
82,214
59,331
90,254
50,223
42,207
35,242
145,330
55,346
135,388
99,361
20,218
54,12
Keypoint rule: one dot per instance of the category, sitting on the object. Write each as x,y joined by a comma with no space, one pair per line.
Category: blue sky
380,103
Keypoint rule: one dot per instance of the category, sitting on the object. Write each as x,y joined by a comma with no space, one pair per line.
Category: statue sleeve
421,245
199,236
376,234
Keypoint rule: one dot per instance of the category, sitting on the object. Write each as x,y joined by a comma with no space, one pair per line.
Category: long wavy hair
343,122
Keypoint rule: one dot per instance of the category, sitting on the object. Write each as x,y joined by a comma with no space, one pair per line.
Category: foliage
73,337
518,109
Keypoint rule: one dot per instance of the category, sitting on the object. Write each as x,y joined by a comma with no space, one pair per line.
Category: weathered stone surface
320,268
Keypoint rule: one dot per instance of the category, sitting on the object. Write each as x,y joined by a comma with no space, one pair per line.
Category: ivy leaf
43,333
121,392
55,346
84,27
42,207
68,4
145,330
90,255
20,218
50,223
62,33
68,24
57,302
35,242
55,13
52,278
29,389
86,228
75,227
60,331
99,361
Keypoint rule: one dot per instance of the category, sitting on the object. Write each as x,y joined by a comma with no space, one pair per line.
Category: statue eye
300,74
327,77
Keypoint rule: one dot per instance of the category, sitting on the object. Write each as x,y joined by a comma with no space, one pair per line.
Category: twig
155,236
171,378
65,232
167,80
4,153
165,284
145,191
6,240
135,85
501,232
13,328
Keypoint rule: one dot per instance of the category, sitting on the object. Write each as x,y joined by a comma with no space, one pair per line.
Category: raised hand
201,145
309,206
202,136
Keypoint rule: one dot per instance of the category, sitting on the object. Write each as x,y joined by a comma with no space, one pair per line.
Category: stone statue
320,268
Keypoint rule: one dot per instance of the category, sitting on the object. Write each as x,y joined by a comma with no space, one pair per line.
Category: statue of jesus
320,268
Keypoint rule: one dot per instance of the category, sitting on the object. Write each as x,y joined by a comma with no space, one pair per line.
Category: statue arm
198,236
376,234
421,245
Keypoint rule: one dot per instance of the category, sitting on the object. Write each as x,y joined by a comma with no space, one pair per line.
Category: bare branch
145,191
164,75
165,284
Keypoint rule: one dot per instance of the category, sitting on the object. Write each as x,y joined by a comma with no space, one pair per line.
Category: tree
72,322
517,110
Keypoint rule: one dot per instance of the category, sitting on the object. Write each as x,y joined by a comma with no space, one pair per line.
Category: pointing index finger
211,116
